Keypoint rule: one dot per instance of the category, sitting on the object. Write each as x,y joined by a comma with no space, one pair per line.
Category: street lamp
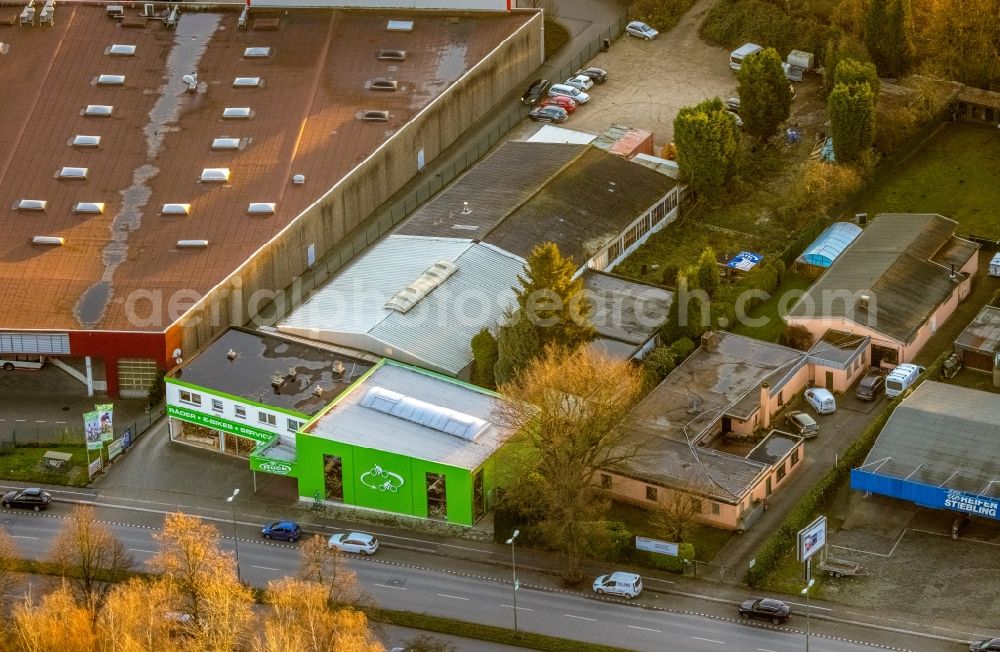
236,535
513,570
805,592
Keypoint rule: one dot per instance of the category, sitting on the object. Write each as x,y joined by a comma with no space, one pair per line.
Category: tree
707,140
90,558
658,364
959,40
136,616
852,120
887,36
517,345
553,300
568,411
765,96
484,358
58,624
673,516
323,565
796,337
837,49
851,71
708,271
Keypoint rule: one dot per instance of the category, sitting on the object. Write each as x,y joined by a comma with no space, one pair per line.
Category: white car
358,542
821,400
641,30
570,92
627,585
580,82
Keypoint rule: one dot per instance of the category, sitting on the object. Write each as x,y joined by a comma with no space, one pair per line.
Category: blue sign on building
926,495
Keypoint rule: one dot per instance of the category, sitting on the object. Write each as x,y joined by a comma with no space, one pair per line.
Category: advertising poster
92,429
107,429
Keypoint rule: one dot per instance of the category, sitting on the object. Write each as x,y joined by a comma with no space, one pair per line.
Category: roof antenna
191,79
465,208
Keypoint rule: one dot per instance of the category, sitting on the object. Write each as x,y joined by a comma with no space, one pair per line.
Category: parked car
359,542
803,424
871,387
580,82
639,29
987,645
568,91
32,498
766,609
560,101
821,400
627,585
535,92
951,365
283,530
548,113
599,75
900,379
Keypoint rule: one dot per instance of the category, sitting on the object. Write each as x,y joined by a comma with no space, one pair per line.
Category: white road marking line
647,629
708,640
811,607
152,552
453,597
764,649
654,579
23,536
387,586
593,620
507,606
277,570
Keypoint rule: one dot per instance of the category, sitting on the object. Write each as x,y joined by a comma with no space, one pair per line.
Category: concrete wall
346,205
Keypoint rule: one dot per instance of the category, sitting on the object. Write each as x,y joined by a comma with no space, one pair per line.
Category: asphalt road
654,622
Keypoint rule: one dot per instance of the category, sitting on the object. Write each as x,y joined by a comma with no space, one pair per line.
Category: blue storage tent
831,243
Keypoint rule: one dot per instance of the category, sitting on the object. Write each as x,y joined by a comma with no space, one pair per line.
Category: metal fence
71,435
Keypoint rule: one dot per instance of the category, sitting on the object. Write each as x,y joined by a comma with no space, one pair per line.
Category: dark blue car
284,530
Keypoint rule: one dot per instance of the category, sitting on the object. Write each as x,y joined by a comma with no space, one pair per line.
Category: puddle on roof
194,30
451,63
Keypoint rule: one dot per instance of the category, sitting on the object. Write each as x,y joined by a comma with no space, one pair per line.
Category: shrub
484,358
669,277
682,348
731,23
852,119
666,562
797,337
661,14
658,363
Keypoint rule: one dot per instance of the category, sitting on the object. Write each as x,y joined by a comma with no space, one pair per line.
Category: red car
567,103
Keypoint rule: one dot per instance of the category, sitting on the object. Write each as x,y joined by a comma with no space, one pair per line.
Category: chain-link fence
14,436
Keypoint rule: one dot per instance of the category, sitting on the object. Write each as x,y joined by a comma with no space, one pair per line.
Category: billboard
92,429
655,545
106,413
812,538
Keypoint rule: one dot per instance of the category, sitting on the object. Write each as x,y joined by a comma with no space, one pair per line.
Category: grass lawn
707,541
25,464
955,174
770,331
556,36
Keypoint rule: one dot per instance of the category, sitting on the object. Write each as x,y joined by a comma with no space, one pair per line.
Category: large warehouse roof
942,435
120,251
830,244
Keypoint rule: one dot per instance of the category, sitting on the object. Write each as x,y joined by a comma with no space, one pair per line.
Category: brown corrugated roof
303,123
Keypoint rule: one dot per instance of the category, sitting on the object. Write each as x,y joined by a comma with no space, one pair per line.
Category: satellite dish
191,79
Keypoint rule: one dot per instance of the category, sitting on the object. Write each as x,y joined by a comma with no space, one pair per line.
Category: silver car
570,92
580,82
639,29
357,542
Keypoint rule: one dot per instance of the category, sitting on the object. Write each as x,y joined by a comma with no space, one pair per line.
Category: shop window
333,477
605,481
294,425
217,405
239,446
437,496
795,457
781,472
240,411
267,419
715,509
478,496
651,493
190,398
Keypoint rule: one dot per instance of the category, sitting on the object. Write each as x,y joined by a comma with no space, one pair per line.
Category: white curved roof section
830,244
425,414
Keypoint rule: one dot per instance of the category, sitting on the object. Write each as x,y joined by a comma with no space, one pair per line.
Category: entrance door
727,425
767,487
829,380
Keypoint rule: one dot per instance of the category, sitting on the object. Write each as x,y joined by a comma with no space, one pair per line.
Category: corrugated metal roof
830,244
436,333
626,310
942,435
983,334
351,423
891,261
554,134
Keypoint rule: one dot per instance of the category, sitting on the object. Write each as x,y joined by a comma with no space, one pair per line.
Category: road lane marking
387,586
708,640
277,570
152,552
23,536
764,649
453,597
811,607
647,629
593,620
507,606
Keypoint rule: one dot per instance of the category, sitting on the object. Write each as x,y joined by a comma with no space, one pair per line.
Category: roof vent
339,368
110,80
192,244
392,55
383,84
218,175
191,79
863,301
465,208
399,26
247,82
260,208
225,143
425,414
115,10
80,140
373,115
121,50
299,179
432,277
277,379
176,209
31,205
73,173
98,110
242,112
231,354
48,240
318,391
256,52
93,207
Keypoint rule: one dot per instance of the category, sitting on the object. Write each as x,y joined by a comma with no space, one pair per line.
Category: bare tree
90,557
58,624
320,563
673,517
568,409
139,616
10,558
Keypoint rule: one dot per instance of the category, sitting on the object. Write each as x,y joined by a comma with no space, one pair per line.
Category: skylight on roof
246,82
94,207
48,240
431,277
110,80
225,143
391,55
236,112
215,174
176,209
73,173
31,205
120,50
425,414
260,208
192,244
98,110
80,140
399,26
256,52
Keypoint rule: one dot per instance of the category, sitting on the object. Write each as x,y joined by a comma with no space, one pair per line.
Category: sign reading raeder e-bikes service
217,423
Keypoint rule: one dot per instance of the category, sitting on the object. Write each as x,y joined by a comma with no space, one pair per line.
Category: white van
900,378
737,56
10,361
627,585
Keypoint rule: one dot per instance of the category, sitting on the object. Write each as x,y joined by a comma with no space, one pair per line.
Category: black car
35,499
549,114
766,609
535,92
597,75
871,387
989,645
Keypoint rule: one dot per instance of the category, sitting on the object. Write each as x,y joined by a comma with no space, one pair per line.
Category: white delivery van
11,361
737,56
995,265
628,585
900,379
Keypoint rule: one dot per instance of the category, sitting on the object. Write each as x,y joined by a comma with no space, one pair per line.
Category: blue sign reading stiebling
972,504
